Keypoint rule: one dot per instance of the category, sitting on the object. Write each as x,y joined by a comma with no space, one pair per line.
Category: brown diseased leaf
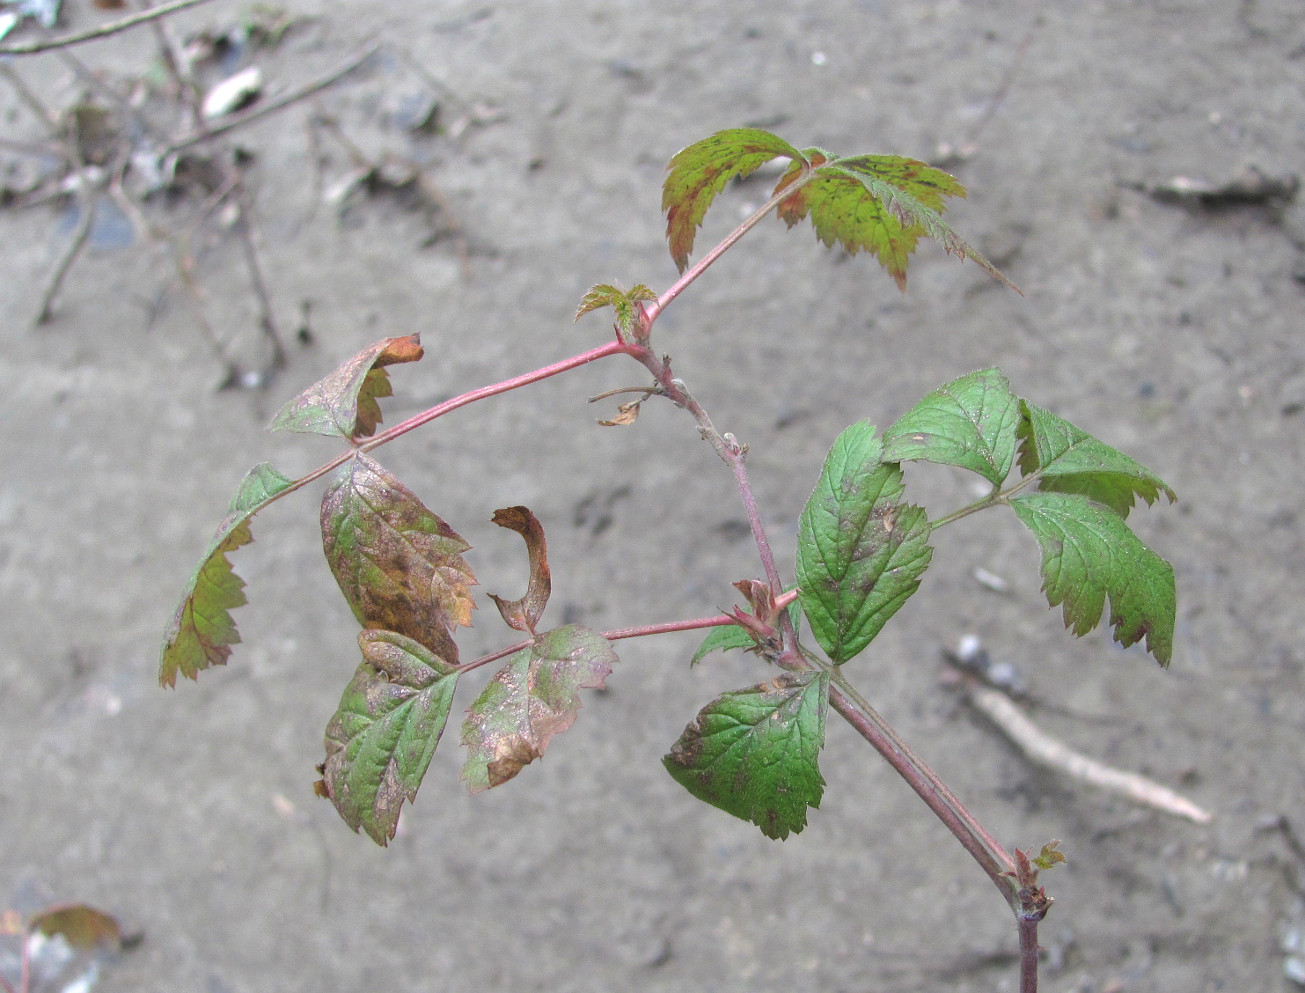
532,698
399,566
344,403
83,927
523,614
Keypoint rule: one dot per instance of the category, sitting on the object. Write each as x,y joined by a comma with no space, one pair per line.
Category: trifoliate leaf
861,552
532,698
1088,554
1069,460
399,566
698,173
343,405
753,752
970,422
202,631
381,739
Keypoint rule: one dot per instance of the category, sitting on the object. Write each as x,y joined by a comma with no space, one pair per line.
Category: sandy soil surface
1171,331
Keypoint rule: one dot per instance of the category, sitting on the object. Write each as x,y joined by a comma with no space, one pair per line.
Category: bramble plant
862,549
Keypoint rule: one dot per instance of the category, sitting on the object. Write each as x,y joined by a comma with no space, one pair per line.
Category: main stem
973,837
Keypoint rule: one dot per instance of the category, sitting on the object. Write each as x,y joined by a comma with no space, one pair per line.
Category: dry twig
103,31
1042,749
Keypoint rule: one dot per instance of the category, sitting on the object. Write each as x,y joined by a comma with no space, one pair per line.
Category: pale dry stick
244,228
86,208
1042,749
262,110
33,102
103,31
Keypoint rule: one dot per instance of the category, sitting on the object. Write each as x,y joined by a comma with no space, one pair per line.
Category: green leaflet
343,405
625,303
753,752
971,423
861,552
532,698
695,175
1069,460
1088,554
381,739
202,630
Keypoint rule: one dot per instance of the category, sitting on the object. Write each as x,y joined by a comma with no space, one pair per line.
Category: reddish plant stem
730,451
974,838
720,620
494,389
440,409
1028,930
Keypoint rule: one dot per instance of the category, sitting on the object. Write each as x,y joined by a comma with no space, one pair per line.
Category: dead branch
1042,749
103,31
261,110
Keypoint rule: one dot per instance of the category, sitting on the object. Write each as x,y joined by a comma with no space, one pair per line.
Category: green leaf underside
532,698
753,752
623,301
1072,461
971,423
202,630
881,204
1089,554
398,565
860,551
344,404
381,739
698,173
722,639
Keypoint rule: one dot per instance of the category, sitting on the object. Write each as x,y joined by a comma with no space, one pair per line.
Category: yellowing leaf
344,403
698,173
202,631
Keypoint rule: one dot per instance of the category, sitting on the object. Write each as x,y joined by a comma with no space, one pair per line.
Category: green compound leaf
398,565
971,422
625,303
1088,554
861,552
695,175
532,698
1069,460
381,739
753,752
881,204
202,631
343,405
